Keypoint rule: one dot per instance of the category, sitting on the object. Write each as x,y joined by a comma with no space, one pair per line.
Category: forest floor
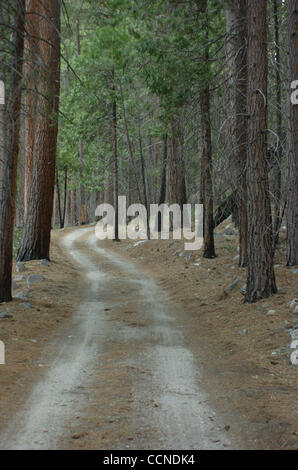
137,347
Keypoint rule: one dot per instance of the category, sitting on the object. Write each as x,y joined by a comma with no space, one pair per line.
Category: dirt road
121,369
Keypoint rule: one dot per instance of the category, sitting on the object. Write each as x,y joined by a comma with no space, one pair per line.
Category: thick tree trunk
36,237
10,158
292,138
30,100
276,190
260,273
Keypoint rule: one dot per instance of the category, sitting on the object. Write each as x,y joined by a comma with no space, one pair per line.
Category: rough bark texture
10,160
30,99
260,273
206,165
276,186
36,237
292,138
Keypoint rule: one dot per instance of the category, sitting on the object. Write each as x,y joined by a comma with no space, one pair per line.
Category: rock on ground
34,278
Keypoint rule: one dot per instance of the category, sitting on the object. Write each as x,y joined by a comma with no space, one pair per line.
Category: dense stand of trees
36,237
162,101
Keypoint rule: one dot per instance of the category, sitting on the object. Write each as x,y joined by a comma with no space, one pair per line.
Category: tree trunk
260,272
209,248
83,213
36,237
241,125
206,187
73,206
292,138
10,157
61,210
58,200
236,14
163,180
276,190
115,155
30,99
144,182
65,197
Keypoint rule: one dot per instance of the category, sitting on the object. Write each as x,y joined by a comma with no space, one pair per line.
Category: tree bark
36,238
292,138
73,207
241,124
65,197
30,99
206,187
260,272
276,190
115,155
10,157
83,213
206,165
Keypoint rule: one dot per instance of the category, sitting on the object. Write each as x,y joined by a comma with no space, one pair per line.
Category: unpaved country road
124,322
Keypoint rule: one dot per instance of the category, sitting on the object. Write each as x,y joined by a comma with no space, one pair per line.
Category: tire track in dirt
180,418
